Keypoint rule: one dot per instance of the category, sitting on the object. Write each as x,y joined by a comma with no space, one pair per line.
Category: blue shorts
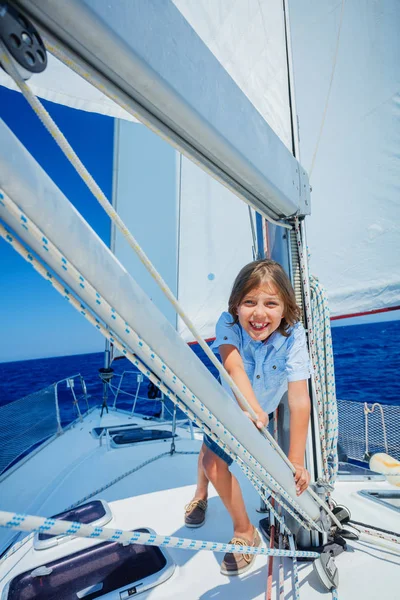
213,446
217,450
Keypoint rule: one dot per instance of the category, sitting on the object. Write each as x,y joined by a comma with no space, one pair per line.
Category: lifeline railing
366,428
29,421
119,390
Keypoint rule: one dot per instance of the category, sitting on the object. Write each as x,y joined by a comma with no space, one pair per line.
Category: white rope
324,363
313,351
368,411
295,569
370,531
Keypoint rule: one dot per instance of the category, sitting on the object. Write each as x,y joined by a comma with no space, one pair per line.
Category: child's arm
299,405
233,363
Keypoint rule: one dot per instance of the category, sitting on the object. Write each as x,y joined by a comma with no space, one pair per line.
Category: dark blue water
367,363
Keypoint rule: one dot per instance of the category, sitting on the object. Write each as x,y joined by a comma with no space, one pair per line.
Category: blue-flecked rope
18,545
326,369
136,340
313,351
295,569
23,522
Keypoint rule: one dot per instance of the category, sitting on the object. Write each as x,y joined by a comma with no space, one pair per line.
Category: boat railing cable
48,122
367,412
167,374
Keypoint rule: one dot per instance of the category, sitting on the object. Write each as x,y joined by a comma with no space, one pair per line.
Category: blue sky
36,321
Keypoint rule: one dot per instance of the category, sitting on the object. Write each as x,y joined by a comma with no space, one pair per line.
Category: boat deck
75,464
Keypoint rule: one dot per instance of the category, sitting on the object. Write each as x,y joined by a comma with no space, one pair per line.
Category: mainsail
346,58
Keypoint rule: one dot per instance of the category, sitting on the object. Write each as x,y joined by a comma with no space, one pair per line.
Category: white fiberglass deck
74,465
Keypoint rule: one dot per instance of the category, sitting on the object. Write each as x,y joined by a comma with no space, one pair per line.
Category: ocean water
367,364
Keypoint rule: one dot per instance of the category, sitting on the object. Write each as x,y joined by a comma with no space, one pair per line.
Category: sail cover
346,58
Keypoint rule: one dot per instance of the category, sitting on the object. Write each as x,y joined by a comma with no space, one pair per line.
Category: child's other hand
261,421
301,477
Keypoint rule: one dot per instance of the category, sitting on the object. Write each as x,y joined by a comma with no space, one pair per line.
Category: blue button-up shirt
271,364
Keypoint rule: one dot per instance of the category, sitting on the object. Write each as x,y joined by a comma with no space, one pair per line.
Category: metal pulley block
22,41
342,514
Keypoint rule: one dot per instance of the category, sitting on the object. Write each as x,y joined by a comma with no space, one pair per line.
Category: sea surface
367,366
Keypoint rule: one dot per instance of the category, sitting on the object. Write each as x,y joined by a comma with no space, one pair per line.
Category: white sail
196,231
215,241
347,78
58,83
248,39
347,62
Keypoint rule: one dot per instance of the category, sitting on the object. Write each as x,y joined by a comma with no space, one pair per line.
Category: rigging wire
253,234
329,91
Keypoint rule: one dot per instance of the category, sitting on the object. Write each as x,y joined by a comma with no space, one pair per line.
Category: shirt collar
276,340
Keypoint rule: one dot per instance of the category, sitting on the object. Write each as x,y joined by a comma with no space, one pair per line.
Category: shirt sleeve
226,333
297,359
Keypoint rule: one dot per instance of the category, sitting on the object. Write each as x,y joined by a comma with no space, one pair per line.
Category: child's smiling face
261,311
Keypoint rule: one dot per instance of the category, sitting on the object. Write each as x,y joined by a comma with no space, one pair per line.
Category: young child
263,347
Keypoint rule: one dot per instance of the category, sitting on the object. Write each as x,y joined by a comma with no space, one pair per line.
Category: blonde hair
254,275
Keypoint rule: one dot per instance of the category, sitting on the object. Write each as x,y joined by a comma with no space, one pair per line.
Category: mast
288,240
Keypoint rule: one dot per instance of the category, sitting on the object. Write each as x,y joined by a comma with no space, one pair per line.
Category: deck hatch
389,498
96,513
352,472
133,436
106,568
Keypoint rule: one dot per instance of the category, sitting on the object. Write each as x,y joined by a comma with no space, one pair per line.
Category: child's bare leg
202,479
227,486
